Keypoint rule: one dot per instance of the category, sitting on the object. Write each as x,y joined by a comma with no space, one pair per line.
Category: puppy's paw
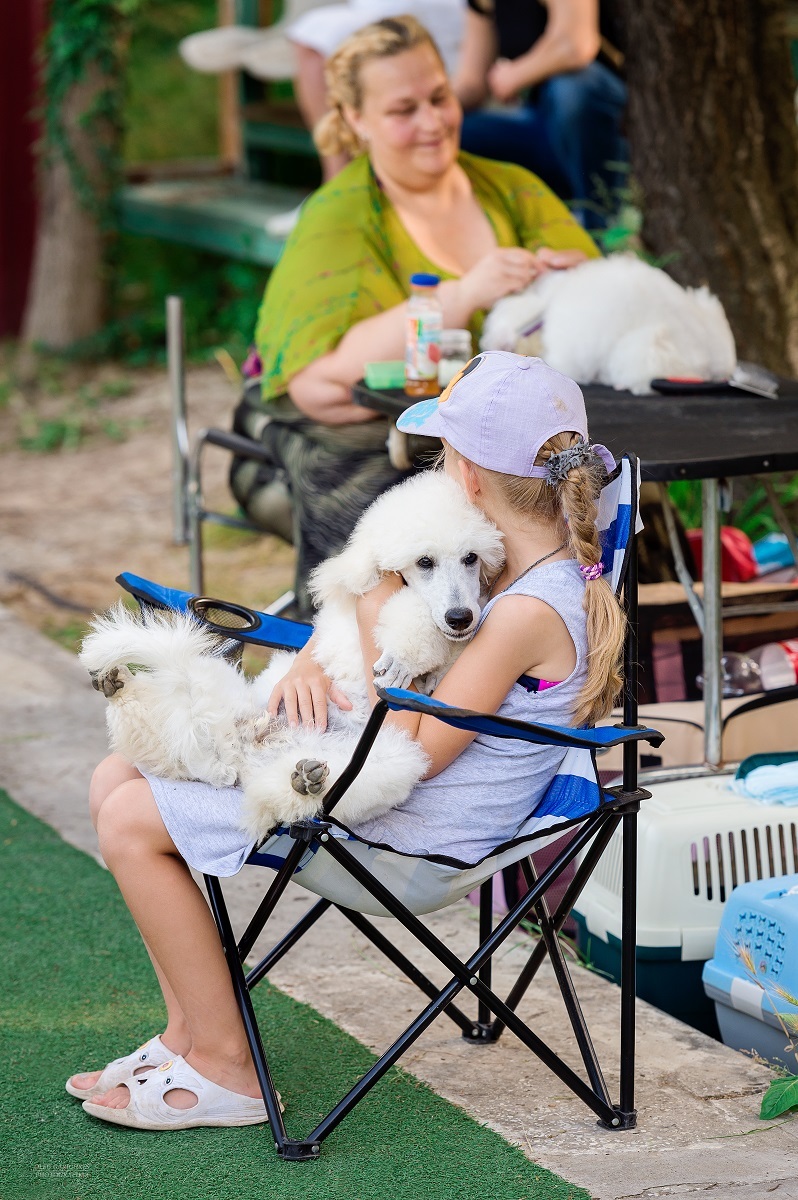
427,684
392,672
112,681
262,727
310,777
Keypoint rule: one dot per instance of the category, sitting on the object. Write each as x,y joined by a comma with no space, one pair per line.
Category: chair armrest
546,735
244,447
265,630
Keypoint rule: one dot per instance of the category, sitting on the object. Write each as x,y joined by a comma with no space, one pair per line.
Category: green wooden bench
226,214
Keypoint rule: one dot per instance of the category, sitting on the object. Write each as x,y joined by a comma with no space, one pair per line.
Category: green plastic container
385,374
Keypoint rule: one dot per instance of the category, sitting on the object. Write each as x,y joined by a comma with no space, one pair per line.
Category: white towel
770,784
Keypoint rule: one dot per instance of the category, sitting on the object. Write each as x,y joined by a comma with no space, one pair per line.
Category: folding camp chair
361,879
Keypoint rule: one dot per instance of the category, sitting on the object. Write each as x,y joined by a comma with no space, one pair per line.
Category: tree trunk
66,299
715,152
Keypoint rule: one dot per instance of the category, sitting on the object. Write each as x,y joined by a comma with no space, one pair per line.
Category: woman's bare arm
477,54
570,41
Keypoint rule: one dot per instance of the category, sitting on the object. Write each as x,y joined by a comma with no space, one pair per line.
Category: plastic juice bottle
423,344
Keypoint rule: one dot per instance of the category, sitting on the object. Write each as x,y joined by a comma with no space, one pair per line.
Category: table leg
713,625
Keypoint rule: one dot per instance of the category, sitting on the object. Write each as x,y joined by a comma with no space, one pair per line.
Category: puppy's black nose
459,618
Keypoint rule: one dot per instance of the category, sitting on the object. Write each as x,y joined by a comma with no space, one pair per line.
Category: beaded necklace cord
537,563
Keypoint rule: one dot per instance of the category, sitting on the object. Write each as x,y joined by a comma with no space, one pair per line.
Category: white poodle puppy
617,321
179,709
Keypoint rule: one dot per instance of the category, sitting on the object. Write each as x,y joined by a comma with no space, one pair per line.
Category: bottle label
790,648
423,346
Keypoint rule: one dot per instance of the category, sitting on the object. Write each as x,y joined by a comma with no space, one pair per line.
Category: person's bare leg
112,772
178,928
311,96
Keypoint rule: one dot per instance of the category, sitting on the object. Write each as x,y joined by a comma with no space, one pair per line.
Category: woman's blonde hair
572,505
342,74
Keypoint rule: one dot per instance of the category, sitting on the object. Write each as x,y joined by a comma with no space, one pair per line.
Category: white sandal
152,1054
148,1108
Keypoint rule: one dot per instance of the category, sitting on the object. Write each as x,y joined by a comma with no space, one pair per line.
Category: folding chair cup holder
356,878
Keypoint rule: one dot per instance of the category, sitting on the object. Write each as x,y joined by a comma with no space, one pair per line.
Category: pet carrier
758,941
697,841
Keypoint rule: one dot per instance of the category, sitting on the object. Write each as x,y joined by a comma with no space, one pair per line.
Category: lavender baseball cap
499,410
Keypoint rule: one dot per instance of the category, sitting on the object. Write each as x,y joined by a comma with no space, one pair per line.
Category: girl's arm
521,635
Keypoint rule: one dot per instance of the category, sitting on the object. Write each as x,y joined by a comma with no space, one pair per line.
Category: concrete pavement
698,1132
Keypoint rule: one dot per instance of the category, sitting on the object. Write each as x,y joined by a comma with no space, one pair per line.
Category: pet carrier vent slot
721,873
782,850
726,866
758,854
746,866
707,867
732,860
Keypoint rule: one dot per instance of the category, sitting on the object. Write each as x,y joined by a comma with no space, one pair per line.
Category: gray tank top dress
473,805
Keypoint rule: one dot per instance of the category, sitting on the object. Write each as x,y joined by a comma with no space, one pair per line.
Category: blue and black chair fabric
363,880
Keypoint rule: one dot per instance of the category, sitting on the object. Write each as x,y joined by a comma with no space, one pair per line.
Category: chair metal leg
573,1008
269,901
175,357
626,1109
278,951
244,1001
484,1026
559,918
464,976
408,968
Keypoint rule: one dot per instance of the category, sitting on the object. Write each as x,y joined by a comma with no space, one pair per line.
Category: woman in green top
409,201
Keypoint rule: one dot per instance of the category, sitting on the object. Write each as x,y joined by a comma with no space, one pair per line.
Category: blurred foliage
221,299
69,413
170,110
751,509
86,38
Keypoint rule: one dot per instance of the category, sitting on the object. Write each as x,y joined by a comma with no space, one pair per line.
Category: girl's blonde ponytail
571,503
578,494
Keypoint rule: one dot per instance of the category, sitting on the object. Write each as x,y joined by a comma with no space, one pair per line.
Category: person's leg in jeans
516,135
582,113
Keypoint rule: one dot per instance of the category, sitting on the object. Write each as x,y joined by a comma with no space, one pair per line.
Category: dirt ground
72,518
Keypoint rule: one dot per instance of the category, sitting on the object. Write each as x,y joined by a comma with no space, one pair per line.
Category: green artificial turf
78,991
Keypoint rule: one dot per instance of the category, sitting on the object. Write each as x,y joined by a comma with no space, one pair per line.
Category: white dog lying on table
179,709
617,321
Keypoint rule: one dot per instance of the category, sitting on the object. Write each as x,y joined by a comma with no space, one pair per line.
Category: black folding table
711,436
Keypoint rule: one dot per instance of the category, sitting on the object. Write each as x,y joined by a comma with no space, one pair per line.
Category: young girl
547,649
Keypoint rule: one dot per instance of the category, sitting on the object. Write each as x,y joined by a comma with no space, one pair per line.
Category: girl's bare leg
311,95
112,772
179,931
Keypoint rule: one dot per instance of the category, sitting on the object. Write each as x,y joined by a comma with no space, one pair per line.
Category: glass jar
455,353
423,340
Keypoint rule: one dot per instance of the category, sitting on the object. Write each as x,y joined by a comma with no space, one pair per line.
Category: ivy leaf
781,1097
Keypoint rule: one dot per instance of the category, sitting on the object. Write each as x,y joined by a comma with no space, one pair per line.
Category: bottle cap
423,280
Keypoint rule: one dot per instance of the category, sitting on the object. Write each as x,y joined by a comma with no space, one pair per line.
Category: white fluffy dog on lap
179,709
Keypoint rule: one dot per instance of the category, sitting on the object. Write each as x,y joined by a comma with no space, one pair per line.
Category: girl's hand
504,270
304,691
558,260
